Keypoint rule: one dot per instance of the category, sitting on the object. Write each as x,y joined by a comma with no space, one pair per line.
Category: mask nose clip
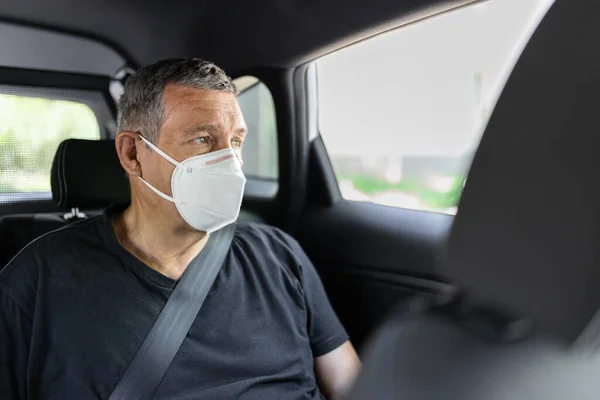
189,170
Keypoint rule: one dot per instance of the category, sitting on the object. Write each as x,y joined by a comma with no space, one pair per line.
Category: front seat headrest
527,233
87,174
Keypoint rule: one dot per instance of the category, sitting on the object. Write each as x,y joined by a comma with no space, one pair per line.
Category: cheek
167,172
164,175
160,172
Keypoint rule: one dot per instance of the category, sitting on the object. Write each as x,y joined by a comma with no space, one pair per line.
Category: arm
336,370
335,360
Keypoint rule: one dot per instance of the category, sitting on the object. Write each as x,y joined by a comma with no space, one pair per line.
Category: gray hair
141,105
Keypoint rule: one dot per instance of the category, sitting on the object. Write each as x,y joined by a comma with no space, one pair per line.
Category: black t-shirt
75,307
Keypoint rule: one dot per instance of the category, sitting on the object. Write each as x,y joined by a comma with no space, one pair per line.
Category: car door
393,124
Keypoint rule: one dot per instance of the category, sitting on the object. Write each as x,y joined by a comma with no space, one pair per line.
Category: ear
126,145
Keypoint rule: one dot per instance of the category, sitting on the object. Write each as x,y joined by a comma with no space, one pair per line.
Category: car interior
523,323
520,253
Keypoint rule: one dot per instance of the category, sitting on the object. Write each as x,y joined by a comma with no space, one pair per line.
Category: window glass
31,128
402,114
260,147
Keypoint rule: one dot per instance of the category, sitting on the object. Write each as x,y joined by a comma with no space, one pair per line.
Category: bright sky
414,90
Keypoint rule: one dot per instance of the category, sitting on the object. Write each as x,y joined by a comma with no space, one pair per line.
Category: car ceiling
238,35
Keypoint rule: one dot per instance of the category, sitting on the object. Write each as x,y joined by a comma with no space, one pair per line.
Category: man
76,304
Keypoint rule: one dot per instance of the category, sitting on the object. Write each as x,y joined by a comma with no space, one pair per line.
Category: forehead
200,104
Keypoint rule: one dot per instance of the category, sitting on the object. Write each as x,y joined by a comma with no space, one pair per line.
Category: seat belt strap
150,364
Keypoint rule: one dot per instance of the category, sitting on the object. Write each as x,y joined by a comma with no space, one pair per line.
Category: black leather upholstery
525,241
88,174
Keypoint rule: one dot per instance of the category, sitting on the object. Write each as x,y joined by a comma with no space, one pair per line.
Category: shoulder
52,243
272,240
265,235
20,278
269,245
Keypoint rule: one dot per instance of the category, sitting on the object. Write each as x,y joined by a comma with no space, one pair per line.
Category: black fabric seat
524,246
441,353
88,174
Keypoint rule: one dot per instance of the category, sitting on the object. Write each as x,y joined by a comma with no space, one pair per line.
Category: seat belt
146,371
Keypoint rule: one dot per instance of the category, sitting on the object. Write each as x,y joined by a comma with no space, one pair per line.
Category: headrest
527,233
87,174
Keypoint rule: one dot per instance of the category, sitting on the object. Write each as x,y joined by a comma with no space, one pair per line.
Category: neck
154,239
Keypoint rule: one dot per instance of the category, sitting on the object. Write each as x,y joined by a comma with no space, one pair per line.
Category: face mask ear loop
158,192
159,151
166,157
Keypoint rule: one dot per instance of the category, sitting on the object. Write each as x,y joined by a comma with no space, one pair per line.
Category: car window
402,114
260,147
31,128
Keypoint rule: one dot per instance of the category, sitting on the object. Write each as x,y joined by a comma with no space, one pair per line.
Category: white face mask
207,189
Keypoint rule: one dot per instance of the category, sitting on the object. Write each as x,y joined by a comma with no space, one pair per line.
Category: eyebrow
213,129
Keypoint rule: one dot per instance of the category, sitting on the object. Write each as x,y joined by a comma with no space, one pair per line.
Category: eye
202,140
236,143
